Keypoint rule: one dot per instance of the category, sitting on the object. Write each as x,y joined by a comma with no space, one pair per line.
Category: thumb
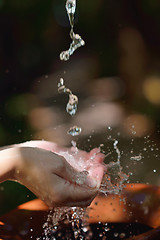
72,175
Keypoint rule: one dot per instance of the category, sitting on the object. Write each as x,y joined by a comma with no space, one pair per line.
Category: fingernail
91,182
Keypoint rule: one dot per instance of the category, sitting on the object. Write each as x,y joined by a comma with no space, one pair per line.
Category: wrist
8,163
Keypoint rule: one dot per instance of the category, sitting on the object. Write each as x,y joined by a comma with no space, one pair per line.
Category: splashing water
77,41
60,217
113,181
74,148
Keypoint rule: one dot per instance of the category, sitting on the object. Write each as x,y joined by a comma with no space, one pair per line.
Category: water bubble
74,131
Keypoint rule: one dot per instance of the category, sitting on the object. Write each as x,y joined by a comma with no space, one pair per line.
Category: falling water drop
72,104
74,131
77,41
71,107
71,8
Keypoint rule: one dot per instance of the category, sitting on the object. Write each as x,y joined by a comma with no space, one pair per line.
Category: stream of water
113,180
77,41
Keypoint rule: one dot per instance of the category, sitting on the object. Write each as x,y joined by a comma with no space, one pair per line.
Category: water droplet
116,234
106,229
122,235
74,131
136,158
64,56
71,8
71,107
85,229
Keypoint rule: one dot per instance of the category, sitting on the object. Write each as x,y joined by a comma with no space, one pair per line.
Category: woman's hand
58,181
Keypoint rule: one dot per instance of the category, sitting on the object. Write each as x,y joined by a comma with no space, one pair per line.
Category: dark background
122,39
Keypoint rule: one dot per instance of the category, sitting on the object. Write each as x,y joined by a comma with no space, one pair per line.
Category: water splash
117,150
77,41
113,181
62,216
114,178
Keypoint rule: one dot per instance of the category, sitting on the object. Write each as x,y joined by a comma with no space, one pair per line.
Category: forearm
8,162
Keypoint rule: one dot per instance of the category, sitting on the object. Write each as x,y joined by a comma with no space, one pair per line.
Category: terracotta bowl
135,213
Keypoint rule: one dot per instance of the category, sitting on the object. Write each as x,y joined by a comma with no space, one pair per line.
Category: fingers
70,174
54,179
96,155
97,174
69,194
50,146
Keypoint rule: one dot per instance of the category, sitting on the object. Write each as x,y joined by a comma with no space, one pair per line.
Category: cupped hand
59,176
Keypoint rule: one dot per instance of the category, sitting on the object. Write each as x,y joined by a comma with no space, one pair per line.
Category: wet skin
56,175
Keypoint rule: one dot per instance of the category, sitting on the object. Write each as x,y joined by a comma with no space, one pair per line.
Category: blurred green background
122,39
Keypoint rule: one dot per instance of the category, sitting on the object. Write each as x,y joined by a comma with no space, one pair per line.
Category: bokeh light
151,89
